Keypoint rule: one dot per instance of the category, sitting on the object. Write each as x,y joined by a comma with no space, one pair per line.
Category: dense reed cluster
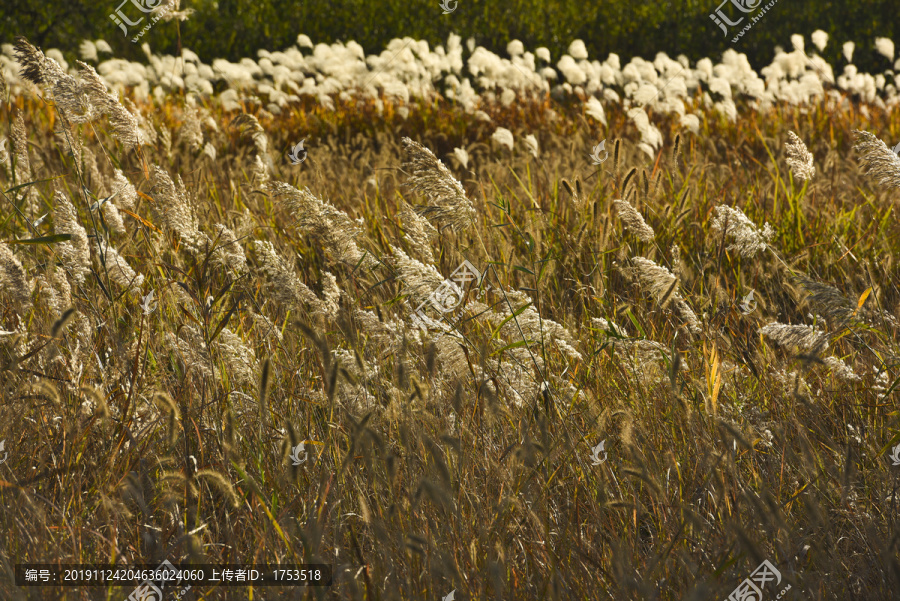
450,326
408,74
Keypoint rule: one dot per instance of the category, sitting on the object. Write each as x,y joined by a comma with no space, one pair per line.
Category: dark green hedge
236,28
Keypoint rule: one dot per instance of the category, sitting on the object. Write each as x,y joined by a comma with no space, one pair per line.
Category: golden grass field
144,428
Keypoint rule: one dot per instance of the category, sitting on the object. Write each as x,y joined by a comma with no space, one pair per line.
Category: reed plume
803,337
634,221
36,67
746,238
451,356
829,300
503,137
54,291
531,324
878,159
228,251
446,196
68,93
119,271
418,232
799,158
331,227
13,279
75,254
532,144
125,125
190,130
841,370
5,158
285,286
386,334
462,156
249,125
259,173
241,361
191,348
419,279
22,171
176,211
663,285
126,195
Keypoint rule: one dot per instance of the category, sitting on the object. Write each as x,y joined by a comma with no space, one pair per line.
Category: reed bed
181,307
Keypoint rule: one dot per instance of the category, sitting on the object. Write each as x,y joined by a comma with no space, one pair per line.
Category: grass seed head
746,238
13,279
799,158
123,122
634,221
446,196
807,339
878,159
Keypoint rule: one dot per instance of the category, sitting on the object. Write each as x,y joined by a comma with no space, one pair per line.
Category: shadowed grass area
147,428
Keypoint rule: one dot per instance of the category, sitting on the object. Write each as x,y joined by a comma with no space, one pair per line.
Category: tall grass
146,428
